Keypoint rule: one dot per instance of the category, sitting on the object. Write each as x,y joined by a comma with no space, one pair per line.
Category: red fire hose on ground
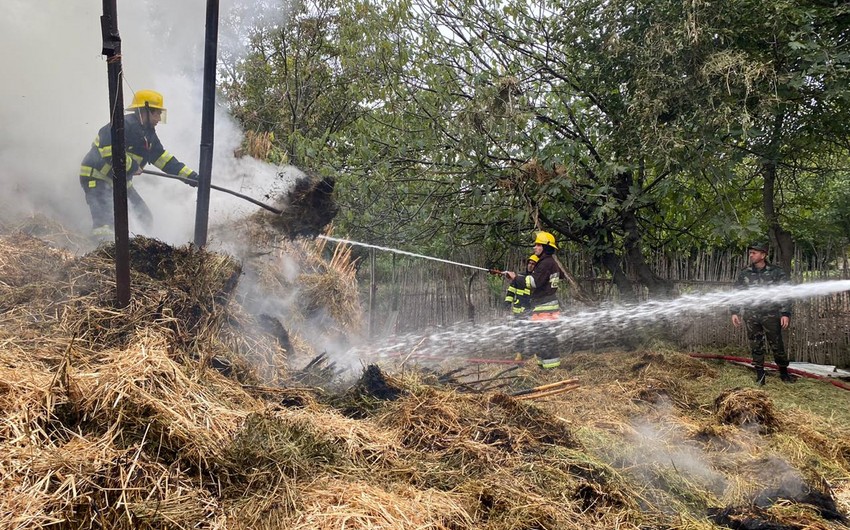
749,362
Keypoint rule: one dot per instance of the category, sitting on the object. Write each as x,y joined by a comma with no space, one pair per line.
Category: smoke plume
56,98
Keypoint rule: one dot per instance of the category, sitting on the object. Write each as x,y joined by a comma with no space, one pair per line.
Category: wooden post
112,51
202,212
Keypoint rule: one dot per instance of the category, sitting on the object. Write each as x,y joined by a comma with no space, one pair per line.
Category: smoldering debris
308,208
747,518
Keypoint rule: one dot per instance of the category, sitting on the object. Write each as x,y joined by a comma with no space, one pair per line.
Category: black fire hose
219,188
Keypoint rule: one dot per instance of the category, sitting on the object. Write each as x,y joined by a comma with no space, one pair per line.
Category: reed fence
417,295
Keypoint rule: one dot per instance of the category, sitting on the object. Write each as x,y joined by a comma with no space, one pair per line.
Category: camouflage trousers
763,330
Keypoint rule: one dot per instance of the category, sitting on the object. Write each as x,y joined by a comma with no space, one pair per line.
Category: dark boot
785,376
760,377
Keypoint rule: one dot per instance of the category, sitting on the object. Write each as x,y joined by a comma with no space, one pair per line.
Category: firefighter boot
549,364
760,376
785,376
103,234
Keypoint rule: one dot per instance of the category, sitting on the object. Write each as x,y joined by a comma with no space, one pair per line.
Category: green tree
300,82
623,126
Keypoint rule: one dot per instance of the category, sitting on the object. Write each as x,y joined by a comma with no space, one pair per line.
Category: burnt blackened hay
307,208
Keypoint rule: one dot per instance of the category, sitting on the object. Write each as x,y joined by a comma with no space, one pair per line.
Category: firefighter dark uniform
142,147
518,296
518,299
763,322
543,284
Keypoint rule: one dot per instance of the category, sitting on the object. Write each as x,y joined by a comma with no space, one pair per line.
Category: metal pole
373,288
112,51
207,124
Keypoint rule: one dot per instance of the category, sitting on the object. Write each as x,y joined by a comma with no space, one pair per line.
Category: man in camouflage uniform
765,322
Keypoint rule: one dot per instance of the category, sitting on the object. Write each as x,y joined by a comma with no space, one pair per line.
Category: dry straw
156,416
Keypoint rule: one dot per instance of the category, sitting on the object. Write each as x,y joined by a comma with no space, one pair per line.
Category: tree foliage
622,126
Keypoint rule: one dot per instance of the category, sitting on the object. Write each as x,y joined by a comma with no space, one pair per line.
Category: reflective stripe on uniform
548,364
521,301
185,172
90,172
163,159
547,307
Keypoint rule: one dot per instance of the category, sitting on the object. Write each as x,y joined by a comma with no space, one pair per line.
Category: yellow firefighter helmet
545,238
149,99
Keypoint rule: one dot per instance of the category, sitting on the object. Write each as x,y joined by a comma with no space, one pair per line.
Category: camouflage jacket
751,277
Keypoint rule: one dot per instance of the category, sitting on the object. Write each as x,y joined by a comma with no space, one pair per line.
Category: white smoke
55,98
659,446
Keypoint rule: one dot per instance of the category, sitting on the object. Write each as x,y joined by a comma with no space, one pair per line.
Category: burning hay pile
177,413
307,208
303,292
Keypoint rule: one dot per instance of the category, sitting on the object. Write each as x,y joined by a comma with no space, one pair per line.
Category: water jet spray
464,341
412,254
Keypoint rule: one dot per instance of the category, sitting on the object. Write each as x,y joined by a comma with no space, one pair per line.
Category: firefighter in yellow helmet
543,283
142,147
518,297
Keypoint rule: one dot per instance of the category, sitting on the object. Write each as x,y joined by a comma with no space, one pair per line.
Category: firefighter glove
192,179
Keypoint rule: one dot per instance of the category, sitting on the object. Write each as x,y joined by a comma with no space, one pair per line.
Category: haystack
301,288
173,413
746,406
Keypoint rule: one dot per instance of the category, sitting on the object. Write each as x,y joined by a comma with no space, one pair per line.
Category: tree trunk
657,285
780,239
470,307
632,240
612,262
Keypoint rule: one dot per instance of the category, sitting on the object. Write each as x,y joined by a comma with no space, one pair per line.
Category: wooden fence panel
424,296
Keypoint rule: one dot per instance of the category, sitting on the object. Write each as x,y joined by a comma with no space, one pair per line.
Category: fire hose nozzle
497,272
